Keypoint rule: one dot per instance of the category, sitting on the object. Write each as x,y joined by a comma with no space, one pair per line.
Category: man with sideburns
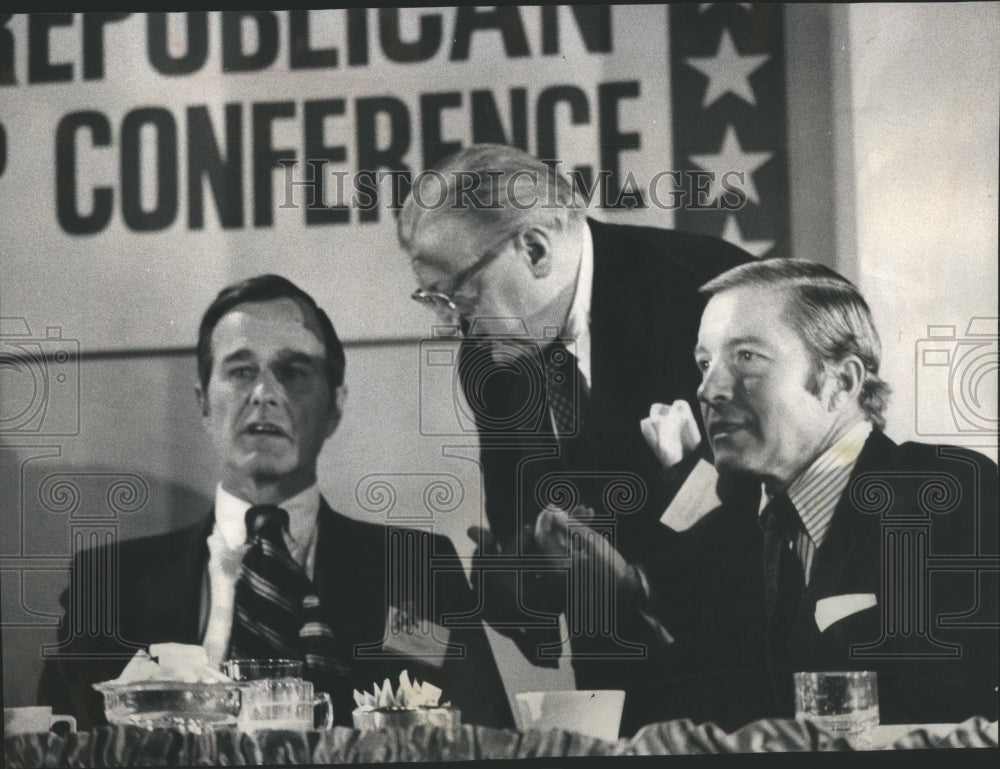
843,550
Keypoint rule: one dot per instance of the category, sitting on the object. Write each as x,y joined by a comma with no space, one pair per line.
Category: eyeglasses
443,303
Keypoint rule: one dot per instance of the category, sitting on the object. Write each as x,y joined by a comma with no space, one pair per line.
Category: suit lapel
167,598
329,566
850,529
349,578
619,338
848,561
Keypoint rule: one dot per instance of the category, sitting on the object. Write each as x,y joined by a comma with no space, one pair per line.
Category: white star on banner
728,72
732,159
755,247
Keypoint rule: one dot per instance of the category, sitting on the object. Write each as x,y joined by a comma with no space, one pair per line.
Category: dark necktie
277,613
784,580
564,390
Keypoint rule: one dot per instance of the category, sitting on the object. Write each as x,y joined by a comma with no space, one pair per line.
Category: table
131,746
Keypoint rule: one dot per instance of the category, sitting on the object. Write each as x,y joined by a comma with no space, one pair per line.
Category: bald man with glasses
575,333
444,304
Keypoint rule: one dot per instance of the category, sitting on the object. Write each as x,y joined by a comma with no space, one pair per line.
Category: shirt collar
577,325
230,516
816,491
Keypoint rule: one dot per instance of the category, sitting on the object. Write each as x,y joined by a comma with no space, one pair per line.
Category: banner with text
148,159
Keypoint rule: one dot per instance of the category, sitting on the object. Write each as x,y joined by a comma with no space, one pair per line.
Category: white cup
34,719
596,713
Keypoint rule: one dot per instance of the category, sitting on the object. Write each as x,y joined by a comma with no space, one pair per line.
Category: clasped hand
671,431
560,534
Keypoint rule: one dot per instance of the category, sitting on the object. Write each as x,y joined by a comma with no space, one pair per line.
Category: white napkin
836,607
418,639
694,499
171,662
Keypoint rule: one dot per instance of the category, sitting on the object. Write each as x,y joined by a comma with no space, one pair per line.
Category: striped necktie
277,613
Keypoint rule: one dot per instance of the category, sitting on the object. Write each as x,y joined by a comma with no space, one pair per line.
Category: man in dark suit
358,602
574,329
845,551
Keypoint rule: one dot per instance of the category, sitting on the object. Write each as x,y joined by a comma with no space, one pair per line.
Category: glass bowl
188,707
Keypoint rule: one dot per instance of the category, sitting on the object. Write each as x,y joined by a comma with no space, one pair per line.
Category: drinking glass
258,669
285,703
844,703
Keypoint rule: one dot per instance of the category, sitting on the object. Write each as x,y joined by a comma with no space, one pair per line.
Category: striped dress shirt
815,493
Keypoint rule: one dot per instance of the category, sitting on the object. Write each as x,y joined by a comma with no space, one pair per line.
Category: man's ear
848,376
336,410
537,246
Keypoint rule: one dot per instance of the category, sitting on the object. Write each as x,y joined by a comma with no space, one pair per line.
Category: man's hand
487,544
539,591
587,549
671,431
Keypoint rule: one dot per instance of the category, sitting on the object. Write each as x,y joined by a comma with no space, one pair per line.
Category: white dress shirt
816,491
577,325
226,546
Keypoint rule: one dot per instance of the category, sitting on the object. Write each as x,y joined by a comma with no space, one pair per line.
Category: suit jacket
645,312
915,531
374,583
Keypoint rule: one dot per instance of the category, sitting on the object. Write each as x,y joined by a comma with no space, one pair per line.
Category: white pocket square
836,607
